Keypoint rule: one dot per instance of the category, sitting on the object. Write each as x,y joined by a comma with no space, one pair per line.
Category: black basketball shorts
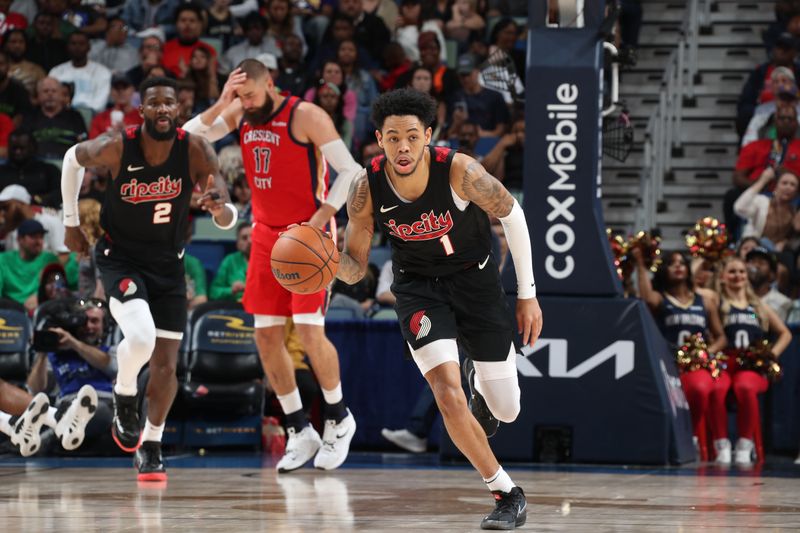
162,284
469,306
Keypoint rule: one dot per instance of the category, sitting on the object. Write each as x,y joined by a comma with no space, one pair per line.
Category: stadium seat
379,255
223,390
385,314
15,335
340,313
210,253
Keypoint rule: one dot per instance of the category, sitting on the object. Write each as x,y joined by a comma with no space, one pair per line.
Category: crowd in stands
70,70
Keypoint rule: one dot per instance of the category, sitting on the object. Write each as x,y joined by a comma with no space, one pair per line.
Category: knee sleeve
136,322
498,383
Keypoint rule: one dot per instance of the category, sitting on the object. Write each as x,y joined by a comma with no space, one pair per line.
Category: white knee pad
498,383
136,322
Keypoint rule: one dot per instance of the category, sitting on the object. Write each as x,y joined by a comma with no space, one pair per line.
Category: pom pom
758,357
708,239
693,355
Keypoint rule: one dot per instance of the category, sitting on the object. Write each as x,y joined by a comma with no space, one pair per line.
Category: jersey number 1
448,246
162,212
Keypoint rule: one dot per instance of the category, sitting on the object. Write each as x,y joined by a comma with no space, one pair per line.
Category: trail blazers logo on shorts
127,287
420,324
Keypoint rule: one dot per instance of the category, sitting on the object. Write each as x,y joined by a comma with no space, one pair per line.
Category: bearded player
286,146
145,217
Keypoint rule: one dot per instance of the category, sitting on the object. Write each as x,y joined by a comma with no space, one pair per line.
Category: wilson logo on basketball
420,324
287,276
135,192
429,226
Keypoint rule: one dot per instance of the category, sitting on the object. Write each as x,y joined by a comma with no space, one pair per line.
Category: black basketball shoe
477,404
509,510
149,462
125,427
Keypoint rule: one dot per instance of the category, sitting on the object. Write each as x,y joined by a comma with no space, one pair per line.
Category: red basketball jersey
288,179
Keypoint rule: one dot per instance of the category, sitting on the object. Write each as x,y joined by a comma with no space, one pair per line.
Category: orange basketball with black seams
304,260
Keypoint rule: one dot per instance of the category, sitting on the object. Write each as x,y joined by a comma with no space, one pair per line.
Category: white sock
291,402
5,423
333,396
152,432
500,481
136,322
50,419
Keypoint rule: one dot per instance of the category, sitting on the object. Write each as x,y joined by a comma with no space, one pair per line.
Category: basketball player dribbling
145,217
433,204
286,145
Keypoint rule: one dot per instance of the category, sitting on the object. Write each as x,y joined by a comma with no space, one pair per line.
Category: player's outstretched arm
471,182
319,128
204,167
103,151
358,234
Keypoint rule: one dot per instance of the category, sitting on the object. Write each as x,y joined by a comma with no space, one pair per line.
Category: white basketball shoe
71,428
335,443
723,449
743,454
300,448
25,432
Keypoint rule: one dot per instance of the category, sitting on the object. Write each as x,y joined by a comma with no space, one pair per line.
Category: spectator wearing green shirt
196,284
20,270
228,284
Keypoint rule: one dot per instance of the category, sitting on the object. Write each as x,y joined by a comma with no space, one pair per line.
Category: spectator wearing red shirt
11,20
758,155
178,51
122,114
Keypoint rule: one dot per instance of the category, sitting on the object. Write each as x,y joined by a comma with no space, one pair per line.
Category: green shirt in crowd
18,278
233,268
195,275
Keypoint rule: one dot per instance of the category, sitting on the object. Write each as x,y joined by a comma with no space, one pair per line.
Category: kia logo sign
622,352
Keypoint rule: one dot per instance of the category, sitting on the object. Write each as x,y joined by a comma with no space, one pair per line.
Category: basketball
304,260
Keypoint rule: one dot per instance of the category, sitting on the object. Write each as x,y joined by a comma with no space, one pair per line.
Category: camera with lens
65,314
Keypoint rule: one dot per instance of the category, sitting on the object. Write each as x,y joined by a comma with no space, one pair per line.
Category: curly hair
404,102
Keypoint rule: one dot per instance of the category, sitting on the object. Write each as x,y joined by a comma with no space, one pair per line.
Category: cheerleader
682,311
746,320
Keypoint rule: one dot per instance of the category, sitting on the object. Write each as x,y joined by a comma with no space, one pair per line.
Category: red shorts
263,295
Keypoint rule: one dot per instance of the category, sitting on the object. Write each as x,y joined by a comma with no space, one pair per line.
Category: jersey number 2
162,212
261,155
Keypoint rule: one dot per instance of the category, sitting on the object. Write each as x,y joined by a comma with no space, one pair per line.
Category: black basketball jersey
146,210
678,322
742,327
430,236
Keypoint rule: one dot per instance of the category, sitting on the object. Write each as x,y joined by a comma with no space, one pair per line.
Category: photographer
68,339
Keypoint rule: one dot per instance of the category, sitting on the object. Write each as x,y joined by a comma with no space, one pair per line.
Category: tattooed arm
358,234
471,182
104,151
204,168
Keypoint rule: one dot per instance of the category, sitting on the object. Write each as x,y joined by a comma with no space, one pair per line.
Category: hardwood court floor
207,494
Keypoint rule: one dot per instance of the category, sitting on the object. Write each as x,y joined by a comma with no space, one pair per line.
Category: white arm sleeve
71,180
212,133
519,244
337,154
